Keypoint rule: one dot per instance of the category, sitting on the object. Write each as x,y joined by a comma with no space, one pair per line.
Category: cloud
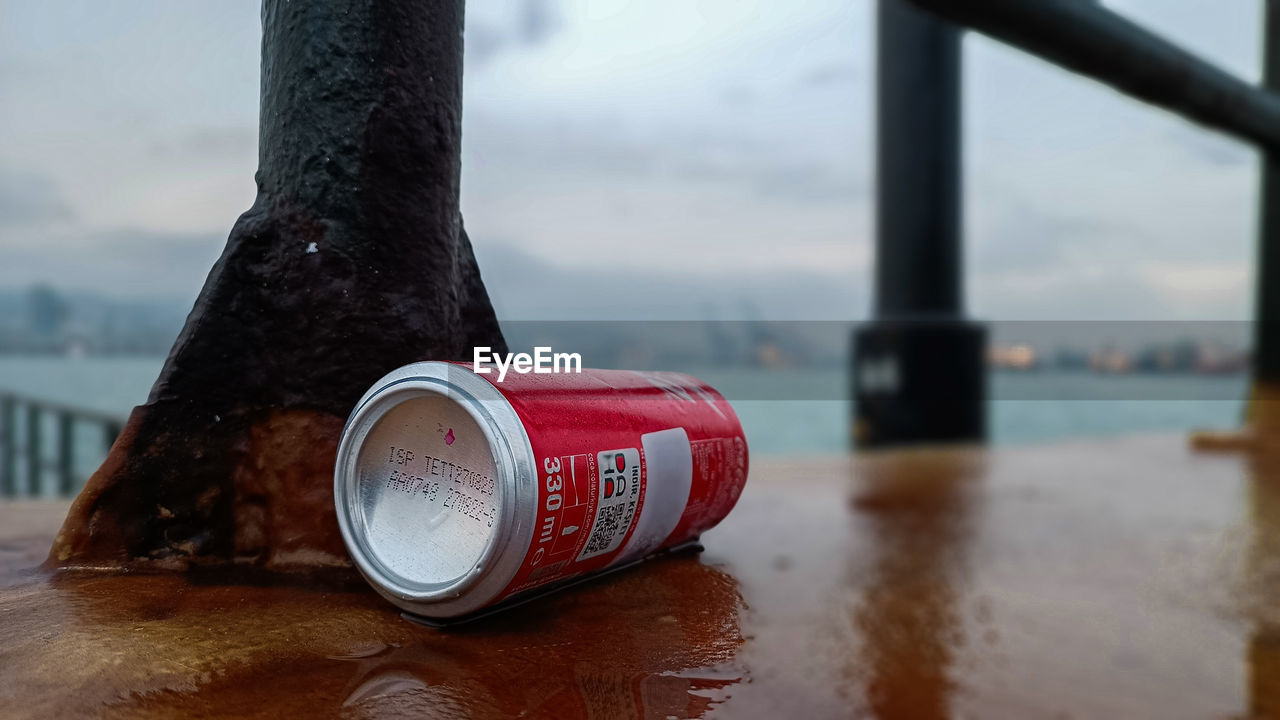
210,143
524,286
714,151
29,198
121,262
1028,262
1159,291
599,151
537,21
495,29
830,74
1211,147
1191,289
1016,235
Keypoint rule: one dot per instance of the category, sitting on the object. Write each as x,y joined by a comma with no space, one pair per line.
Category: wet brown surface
1128,578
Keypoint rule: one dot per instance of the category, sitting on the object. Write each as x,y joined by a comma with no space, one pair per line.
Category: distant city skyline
43,320
721,151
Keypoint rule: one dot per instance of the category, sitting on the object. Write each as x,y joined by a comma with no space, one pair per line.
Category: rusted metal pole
1091,40
352,261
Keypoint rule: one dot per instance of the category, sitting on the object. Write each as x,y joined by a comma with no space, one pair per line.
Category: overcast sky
719,149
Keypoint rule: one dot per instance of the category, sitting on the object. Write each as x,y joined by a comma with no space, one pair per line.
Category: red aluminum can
456,492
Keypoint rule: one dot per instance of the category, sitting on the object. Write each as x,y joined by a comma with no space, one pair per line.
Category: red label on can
628,463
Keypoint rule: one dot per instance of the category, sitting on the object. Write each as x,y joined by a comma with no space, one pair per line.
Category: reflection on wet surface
1113,579
918,527
1261,593
161,646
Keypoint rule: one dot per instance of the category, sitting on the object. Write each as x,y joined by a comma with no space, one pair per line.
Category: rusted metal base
351,262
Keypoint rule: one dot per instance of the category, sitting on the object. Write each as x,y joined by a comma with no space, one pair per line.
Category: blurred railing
27,460
918,371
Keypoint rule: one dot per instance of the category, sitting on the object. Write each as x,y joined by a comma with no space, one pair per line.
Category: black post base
919,382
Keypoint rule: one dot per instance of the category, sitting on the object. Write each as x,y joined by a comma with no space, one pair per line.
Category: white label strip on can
669,465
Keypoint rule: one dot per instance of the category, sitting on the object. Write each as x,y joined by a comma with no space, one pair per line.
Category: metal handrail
1089,39
31,450
918,327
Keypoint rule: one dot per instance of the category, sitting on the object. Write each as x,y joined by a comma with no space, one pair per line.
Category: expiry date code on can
454,498
469,506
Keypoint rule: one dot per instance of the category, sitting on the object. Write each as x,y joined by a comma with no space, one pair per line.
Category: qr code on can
606,527
617,495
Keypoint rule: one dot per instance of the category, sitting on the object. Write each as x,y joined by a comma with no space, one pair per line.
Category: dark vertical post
918,373
66,453
1266,333
35,466
9,471
918,205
